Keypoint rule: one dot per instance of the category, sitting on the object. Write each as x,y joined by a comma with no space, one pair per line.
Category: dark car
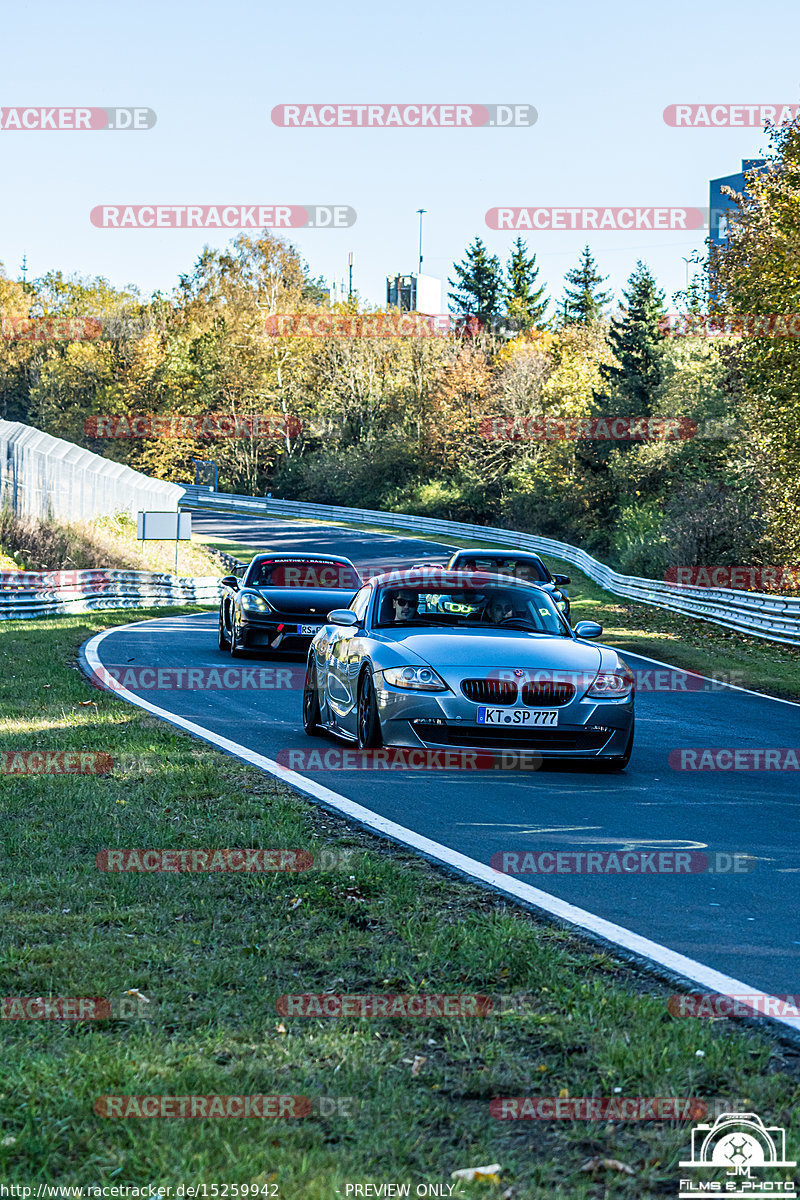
283,600
519,564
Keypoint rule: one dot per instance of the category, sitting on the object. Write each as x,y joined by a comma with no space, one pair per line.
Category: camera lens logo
738,1143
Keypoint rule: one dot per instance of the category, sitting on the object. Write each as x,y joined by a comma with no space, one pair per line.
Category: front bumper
435,720
254,633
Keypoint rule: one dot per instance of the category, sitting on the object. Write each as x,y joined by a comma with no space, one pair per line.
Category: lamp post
420,211
693,258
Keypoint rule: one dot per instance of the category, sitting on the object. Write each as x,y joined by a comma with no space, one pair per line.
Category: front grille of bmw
489,691
505,691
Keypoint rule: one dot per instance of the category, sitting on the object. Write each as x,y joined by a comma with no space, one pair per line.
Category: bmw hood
465,651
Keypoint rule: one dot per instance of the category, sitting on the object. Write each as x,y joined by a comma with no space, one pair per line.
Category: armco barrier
759,614
48,593
44,476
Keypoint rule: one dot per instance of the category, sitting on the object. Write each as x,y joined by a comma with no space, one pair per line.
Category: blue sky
599,75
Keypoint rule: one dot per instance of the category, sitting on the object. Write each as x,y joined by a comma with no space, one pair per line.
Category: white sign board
163,526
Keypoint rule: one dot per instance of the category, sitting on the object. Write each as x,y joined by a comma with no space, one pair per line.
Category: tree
637,344
524,301
755,275
478,286
583,299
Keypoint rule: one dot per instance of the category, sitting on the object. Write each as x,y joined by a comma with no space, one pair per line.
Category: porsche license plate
518,716
309,629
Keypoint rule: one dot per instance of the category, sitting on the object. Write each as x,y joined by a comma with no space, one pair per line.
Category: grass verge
211,952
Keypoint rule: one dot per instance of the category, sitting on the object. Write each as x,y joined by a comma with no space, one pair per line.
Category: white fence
44,476
50,593
757,613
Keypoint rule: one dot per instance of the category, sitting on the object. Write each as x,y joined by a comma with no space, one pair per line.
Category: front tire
370,735
223,640
234,649
311,709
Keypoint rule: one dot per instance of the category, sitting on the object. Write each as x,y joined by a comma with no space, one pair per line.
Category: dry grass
109,542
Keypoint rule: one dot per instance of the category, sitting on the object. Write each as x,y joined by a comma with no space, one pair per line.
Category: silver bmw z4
440,658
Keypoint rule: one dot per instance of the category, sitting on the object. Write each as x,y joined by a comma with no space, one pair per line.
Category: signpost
163,527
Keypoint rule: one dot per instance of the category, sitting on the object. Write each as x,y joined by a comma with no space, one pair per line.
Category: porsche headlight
418,679
252,602
612,685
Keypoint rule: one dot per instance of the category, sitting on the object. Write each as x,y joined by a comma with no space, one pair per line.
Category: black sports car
283,600
519,564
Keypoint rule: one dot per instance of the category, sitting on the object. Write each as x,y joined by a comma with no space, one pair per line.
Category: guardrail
760,614
233,566
26,594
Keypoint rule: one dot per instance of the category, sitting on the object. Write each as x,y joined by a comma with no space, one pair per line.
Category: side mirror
561,579
588,629
230,581
343,616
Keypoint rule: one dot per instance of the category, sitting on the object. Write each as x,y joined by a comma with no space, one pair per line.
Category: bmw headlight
252,602
612,685
418,679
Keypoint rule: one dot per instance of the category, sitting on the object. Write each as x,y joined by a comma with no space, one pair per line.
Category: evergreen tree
478,286
583,299
636,342
524,300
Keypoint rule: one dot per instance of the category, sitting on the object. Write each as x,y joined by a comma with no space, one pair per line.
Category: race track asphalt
741,923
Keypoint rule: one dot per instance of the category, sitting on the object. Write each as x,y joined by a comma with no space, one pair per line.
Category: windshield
528,569
303,573
487,607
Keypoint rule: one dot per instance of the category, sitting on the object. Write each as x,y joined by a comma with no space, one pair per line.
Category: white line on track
710,678
695,972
